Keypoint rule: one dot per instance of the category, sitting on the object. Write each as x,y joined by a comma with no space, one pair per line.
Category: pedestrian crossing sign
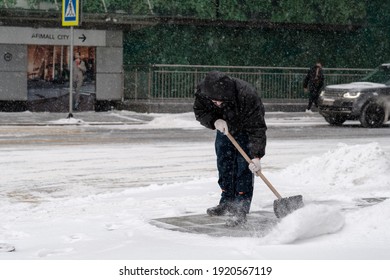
70,12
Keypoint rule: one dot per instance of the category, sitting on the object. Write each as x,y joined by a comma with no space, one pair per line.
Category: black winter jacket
242,108
314,80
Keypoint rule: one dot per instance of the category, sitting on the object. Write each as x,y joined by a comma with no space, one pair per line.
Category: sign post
71,17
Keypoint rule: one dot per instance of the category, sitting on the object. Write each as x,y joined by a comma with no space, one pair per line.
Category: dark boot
224,206
240,208
219,210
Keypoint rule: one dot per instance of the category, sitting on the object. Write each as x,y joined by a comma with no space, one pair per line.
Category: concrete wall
13,72
109,68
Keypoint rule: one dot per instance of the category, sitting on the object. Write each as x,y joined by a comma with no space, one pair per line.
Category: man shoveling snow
232,106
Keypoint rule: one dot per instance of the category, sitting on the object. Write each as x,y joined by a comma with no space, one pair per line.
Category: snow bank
348,165
184,120
349,172
68,121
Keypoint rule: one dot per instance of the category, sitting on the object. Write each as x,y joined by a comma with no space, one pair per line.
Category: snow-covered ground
93,202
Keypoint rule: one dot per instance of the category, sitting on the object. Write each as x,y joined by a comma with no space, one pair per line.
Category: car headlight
352,94
322,93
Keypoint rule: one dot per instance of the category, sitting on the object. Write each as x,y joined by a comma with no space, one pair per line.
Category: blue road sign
70,12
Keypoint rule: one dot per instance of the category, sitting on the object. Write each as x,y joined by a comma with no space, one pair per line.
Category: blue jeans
235,178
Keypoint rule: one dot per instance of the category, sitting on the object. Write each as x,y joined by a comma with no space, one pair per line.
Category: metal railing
179,81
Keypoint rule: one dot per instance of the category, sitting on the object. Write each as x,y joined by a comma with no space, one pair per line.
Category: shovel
283,205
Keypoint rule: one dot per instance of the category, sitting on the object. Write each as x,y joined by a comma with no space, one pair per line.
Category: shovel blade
286,205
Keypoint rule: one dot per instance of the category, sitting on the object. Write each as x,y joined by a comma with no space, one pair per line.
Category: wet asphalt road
288,126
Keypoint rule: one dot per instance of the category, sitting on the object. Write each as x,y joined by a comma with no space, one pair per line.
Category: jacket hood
218,86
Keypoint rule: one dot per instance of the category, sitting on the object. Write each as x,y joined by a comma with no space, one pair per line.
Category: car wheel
335,120
373,115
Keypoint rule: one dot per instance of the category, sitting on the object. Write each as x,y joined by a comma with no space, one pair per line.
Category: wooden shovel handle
248,160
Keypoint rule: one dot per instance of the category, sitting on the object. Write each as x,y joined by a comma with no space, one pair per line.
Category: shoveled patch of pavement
259,224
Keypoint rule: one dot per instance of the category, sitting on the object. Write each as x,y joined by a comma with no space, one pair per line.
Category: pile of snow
68,121
346,166
344,176
184,120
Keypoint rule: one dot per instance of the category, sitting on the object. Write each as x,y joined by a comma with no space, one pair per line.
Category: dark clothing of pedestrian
236,102
242,109
313,83
234,174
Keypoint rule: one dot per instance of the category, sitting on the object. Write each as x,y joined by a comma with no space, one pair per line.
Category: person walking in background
232,106
313,83
79,69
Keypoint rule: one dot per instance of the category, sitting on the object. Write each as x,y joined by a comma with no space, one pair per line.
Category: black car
367,100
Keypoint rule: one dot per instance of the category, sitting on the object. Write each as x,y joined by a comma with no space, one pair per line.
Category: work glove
255,165
222,126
